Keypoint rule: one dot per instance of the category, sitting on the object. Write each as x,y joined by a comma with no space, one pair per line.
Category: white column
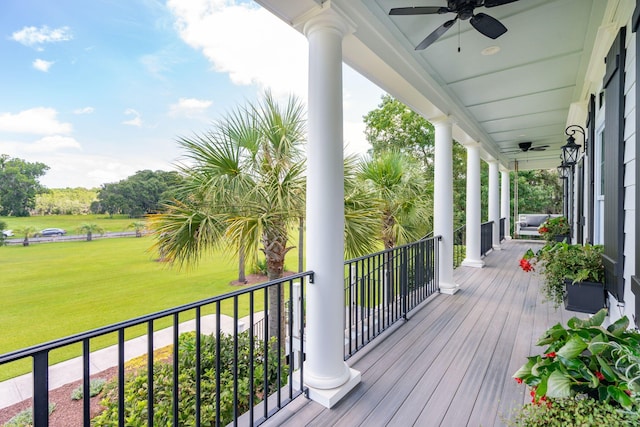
505,202
473,213
443,202
494,202
326,374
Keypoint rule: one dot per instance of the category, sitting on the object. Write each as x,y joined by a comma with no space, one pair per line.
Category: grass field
69,222
53,290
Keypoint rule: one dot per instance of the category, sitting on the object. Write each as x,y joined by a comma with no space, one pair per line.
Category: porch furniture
528,224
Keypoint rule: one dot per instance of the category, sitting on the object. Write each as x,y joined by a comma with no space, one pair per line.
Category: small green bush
135,387
577,411
25,418
95,387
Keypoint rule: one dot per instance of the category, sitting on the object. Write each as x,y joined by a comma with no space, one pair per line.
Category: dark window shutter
591,144
635,279
613,256
580,202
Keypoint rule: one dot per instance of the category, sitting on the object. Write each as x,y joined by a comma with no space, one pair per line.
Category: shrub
135,387
553,227
96,385
573,412
25,418
586,360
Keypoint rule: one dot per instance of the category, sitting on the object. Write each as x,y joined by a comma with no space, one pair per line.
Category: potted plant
573,274
584,365
555,229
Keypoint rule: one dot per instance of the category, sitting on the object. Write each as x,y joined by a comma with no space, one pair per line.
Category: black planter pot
585,297
561,238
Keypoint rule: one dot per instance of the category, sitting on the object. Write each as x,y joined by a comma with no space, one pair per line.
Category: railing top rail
395,248
486,223
72,339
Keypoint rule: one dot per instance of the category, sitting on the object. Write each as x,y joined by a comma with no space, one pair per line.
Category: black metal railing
486,237
233,373
382,288
502,228
459,245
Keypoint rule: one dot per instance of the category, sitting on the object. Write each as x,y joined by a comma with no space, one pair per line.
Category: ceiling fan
485,24
527,146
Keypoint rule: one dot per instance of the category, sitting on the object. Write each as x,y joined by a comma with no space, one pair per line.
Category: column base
475,263
449,289
496,247
329,397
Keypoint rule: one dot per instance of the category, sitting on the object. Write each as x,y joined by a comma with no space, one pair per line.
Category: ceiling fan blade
422,10
488,25
539,148
436,34
494,3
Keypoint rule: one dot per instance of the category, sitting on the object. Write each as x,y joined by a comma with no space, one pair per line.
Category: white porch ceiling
550,59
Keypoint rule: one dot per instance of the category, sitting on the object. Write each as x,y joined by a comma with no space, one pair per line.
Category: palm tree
89,229
398,188
138,226
27,232
245,185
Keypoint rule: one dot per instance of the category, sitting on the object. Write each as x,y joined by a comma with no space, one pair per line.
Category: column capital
443,120
472,144
326,19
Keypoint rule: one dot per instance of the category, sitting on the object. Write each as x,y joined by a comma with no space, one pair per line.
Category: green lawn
70,222
53,290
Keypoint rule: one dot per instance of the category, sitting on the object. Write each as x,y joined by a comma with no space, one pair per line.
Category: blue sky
100,89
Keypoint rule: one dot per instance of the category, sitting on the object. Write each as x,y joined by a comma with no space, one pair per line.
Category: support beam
494,203
325,372
443,202
505,202
473,213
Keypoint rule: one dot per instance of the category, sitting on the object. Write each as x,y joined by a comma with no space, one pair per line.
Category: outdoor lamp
570,150
564,170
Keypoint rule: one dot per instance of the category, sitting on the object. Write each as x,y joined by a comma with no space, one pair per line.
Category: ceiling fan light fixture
491,50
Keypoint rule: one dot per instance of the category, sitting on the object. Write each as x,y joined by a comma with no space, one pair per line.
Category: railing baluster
235,360
176,335
218,365
41,389
252,390
150,397
86,384
198,372
121,377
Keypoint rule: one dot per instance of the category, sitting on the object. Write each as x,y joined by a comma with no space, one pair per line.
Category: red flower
519,380
599,375
525,265
543,230
628,392
551,355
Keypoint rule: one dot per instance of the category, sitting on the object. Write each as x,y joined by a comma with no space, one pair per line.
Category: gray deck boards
451,363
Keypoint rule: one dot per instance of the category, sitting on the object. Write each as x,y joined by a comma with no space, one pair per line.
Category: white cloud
54,143
85,110
270,55
39,121
135,121
189,107
42,65
32,36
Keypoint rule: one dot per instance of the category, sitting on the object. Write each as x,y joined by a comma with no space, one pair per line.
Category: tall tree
19,185
397,185
245,184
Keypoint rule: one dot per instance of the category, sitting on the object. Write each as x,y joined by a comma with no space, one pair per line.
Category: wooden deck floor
451,363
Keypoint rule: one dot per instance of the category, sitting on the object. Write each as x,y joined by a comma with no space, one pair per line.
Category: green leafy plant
135,387
552,227
25,418
586,360
560,261
578,411
96,385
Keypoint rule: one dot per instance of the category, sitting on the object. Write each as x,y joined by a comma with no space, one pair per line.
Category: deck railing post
41,389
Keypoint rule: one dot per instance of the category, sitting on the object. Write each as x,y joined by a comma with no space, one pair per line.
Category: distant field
53,290
70,222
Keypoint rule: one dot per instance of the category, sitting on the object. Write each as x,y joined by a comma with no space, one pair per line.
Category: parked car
53,232
7,233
